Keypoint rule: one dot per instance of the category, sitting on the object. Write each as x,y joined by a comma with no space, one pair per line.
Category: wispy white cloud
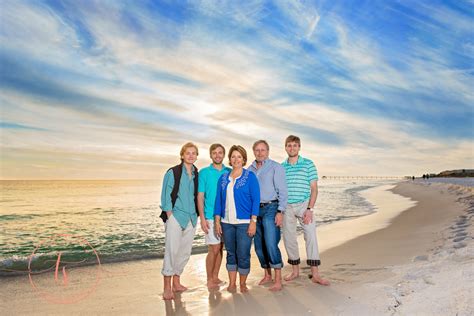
135,84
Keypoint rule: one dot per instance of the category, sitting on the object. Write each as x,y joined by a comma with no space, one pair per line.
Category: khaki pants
293,213
178,246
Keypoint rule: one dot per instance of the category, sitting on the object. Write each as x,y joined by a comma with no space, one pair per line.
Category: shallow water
117,219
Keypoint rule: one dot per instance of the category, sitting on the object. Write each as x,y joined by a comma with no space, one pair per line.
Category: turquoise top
208,178
184,209
299,177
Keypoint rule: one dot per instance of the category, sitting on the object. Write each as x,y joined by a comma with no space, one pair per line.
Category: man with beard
208,178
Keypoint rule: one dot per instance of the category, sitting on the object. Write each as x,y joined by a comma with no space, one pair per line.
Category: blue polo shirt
208,178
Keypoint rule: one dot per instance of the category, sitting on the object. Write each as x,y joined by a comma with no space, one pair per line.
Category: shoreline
365,273
106,259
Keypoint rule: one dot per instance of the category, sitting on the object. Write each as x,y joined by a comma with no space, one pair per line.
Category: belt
268,203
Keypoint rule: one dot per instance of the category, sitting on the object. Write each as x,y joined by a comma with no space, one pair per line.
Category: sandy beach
414,256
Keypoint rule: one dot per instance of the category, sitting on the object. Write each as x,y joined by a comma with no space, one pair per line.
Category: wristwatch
309,208
254,219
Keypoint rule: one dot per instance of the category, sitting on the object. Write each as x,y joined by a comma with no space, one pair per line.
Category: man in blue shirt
208,178
273,200
178,202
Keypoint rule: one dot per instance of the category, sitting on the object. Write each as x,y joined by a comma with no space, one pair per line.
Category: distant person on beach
302,180
273,195
179,205
207,190
235,216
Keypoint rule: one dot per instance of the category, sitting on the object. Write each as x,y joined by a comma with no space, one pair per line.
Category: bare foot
168,294
232,288
276,287
266,279
217,281
179,288
212,285
291,276
320,280
244,288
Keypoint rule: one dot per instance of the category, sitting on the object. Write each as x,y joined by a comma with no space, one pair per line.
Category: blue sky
112,89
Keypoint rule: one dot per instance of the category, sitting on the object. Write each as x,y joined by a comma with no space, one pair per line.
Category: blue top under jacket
246,195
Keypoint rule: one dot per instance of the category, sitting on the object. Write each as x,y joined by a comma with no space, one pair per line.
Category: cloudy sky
112,89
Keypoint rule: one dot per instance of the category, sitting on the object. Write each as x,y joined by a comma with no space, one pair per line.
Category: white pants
293,213
178,246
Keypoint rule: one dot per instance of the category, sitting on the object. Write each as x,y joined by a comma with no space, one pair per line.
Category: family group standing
235,206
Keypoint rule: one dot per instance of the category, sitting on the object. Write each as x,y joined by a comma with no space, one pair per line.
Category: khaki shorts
211,238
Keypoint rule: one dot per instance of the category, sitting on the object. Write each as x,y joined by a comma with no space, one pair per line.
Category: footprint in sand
458,226
339,269
461,234
460,230
428,280
459,239
420,258
460,245
344,264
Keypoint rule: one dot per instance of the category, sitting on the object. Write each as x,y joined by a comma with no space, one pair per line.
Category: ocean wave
14,217
136,232
45,262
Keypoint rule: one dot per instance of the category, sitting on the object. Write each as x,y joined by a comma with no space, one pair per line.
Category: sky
113,89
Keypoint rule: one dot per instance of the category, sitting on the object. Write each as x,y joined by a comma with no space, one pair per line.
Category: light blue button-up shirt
272,181
184,209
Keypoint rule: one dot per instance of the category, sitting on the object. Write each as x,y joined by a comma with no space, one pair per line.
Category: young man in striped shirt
302,181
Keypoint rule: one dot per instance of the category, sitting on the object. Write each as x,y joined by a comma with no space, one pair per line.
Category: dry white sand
416,261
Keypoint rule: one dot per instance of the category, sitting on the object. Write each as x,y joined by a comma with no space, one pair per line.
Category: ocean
90,222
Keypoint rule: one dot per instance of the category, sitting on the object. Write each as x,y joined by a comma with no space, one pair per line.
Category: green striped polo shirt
298,177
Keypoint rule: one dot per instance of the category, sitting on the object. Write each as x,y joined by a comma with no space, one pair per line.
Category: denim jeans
237,244
267,238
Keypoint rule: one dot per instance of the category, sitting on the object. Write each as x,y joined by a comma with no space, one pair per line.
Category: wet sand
415,255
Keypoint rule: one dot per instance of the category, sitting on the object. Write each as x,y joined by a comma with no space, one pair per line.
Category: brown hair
241,150
214,147
186,146
261,141
291,139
